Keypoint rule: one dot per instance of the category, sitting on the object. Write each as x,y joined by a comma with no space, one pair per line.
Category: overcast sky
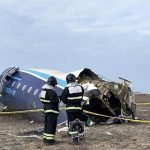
111,37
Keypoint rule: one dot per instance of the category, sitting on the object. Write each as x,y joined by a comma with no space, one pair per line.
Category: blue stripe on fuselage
16,78
46,76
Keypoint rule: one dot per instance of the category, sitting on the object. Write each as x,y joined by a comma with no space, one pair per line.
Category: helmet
70,78
52,81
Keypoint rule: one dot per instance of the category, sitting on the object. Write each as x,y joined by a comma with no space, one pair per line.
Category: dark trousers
50,125
73,115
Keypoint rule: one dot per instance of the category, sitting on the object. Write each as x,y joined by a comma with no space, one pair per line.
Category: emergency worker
50,101
72,97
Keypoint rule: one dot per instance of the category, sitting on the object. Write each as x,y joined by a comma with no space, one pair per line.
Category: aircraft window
29,90
36,91
13,84
19,84
23,88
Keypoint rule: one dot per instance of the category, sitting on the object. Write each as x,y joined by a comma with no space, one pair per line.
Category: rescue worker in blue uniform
50,101
72,96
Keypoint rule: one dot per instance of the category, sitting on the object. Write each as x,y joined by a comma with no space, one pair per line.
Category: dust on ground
119,136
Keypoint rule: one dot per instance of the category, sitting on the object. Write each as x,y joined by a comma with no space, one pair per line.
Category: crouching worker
72,97
50,101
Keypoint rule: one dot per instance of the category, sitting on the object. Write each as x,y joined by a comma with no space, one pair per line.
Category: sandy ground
113,137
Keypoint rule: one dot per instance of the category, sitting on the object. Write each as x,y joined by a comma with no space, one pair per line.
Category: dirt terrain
119,136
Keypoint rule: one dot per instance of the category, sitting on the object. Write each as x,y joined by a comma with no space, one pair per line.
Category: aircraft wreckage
107,97
20,90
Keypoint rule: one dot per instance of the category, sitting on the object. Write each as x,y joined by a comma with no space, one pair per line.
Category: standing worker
72,97
50,101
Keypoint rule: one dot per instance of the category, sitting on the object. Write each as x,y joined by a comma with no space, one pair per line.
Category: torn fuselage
107,98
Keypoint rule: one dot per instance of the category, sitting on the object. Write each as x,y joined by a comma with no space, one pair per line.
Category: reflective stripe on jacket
49,99
72,96
75,108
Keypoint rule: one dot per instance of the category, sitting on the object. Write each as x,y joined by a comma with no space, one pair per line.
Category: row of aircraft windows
24,87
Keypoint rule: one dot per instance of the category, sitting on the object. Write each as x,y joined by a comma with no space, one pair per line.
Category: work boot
44,140
51,142
76,140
